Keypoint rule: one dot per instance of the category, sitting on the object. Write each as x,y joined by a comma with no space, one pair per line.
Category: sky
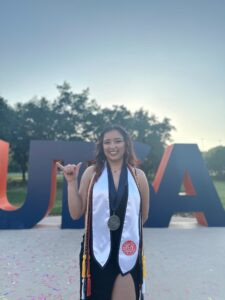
166,56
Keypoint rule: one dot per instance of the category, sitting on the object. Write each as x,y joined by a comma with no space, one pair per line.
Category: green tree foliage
33,121
141,126
74,116
147,129
6,120
72,113
215,161
101,118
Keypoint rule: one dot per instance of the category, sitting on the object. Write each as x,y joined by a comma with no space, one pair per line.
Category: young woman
114,196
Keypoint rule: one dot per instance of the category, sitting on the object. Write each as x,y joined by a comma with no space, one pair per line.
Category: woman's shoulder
139,172
142,181
140,176
89,172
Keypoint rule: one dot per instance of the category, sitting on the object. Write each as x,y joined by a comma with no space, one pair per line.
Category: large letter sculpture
42,181
183,164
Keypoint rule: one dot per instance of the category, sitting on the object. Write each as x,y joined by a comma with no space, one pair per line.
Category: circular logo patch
129,248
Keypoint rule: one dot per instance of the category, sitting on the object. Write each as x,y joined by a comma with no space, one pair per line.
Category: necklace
116,170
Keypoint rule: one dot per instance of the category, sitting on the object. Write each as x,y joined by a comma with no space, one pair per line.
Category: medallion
114,222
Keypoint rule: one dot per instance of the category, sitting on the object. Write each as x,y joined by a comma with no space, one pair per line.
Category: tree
72,112
215,161
33,121
101,117
6,120
141,126
147,129
74,116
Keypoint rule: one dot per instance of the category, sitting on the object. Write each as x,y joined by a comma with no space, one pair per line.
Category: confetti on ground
39,264
42,263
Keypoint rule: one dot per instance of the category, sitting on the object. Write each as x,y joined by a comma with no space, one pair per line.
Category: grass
220,188
16,192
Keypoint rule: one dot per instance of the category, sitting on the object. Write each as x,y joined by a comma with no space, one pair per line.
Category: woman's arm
77,199
144,190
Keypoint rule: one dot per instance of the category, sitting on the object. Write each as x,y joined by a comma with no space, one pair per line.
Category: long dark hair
129,155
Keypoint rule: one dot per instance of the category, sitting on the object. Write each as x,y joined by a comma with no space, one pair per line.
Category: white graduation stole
130,237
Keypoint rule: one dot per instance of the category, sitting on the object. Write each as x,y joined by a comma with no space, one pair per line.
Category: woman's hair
129,155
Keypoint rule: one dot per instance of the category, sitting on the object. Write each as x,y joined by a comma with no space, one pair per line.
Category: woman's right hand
70,171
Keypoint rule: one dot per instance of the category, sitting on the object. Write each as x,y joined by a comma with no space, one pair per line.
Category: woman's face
113,145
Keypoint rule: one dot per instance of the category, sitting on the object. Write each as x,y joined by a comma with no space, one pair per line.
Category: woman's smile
113,145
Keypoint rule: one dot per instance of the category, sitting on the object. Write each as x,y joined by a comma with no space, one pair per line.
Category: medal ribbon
116,196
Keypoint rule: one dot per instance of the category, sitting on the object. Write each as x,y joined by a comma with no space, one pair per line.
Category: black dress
102,279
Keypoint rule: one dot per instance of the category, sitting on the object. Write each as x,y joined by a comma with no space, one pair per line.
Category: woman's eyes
118,141
115,141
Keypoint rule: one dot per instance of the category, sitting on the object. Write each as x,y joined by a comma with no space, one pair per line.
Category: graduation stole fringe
85,268
143,260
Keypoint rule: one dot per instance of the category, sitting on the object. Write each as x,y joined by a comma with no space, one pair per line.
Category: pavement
184,262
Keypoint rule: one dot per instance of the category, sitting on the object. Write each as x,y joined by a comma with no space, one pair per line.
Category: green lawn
17,192
220,187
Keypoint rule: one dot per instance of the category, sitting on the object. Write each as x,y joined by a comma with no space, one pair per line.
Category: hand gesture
70,171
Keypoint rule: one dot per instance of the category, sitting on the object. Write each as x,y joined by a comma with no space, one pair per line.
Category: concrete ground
184,262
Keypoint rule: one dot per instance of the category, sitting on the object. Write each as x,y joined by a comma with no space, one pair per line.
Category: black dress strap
115,196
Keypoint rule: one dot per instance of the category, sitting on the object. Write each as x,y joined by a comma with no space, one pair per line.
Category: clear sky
167,56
